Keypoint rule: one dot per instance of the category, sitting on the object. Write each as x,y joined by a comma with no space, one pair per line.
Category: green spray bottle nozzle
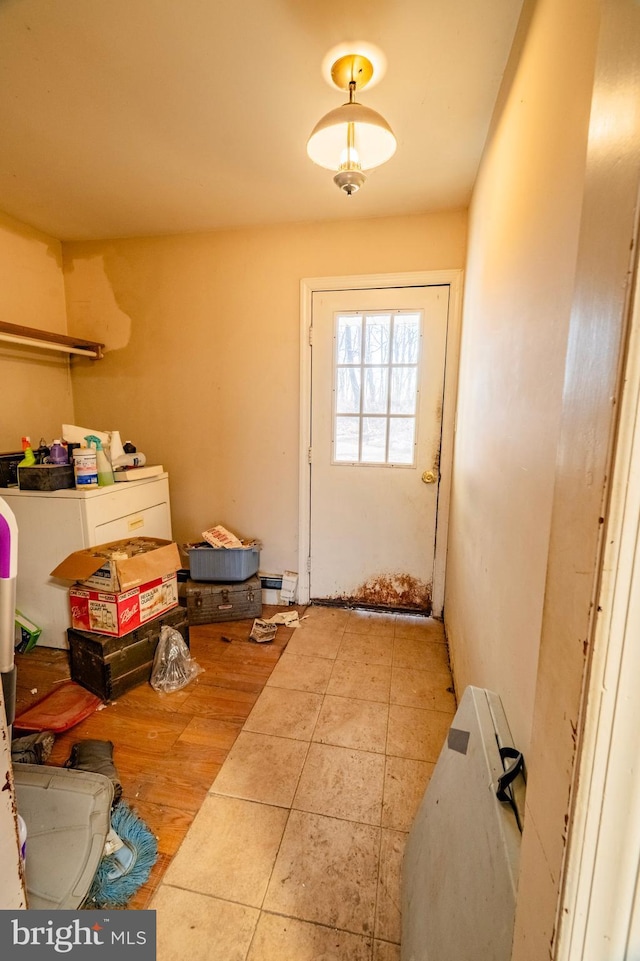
105,473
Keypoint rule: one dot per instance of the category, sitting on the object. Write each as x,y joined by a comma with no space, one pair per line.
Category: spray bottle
29,457
105,473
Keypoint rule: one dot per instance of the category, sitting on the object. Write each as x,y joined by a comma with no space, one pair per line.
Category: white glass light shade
374,139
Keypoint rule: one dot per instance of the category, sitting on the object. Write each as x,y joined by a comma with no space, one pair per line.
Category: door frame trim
418,278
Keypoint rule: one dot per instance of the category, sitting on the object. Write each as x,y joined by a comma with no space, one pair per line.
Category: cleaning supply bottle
58,453
129,460
41,452
125,456
105,473
29,457
85,467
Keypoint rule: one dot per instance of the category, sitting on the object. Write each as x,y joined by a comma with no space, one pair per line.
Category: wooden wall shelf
30,336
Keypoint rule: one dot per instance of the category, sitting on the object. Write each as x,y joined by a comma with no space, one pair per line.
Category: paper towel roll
76,435
109,439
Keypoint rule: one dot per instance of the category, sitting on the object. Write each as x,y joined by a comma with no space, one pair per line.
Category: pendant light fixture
351,138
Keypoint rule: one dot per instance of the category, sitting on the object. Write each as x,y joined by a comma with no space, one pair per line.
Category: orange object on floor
59,710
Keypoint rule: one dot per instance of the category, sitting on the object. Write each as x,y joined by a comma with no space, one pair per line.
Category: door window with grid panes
375,395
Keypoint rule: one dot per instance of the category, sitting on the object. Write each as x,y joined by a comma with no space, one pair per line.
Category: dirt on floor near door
389,592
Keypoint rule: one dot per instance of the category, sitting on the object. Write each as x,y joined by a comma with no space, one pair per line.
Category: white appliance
53,524
461,861
67,816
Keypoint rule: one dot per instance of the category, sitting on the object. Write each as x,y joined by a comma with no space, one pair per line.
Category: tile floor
295,854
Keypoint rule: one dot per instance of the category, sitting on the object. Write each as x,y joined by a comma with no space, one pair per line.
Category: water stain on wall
94,306
395,592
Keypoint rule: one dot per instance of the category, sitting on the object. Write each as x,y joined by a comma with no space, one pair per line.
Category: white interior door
377,374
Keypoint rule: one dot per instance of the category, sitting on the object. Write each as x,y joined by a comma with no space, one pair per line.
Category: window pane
377,340
374,437
406,339
401,440
403,390
347,438
376,386
349,339
348,390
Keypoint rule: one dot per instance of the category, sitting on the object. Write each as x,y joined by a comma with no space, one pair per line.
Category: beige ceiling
139,117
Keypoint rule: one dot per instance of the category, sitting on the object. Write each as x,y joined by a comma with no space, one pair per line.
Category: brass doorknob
429,477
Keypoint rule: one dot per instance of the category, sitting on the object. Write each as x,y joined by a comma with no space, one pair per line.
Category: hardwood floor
168,748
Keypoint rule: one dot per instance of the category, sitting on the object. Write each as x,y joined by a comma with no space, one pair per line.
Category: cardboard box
26,633
119,613
122,584
289,587
118,566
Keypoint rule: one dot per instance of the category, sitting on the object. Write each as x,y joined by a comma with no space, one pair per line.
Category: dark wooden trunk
109,666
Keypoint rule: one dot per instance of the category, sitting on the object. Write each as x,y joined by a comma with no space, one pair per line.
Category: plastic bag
173,666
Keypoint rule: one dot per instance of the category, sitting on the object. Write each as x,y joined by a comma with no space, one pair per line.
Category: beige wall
36,384
591,400
202,362
525,224
523,235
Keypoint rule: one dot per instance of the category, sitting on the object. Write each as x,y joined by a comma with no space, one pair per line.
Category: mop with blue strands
131,850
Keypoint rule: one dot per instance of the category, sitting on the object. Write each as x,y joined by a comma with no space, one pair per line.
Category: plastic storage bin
67,814
224,564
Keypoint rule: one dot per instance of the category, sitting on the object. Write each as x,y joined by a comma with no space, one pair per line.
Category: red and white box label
118,614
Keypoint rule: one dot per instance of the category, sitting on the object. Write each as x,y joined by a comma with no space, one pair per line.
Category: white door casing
600,907
334,521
